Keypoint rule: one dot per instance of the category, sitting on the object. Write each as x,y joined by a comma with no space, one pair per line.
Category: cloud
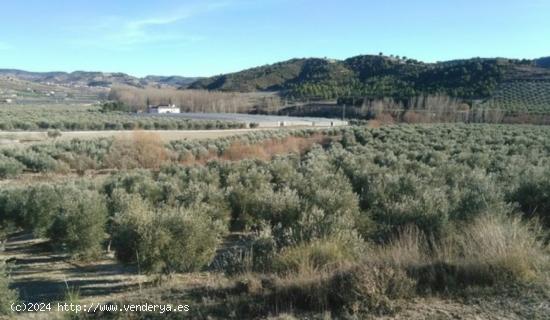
121,33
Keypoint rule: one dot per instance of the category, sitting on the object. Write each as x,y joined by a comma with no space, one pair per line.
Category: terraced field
522,97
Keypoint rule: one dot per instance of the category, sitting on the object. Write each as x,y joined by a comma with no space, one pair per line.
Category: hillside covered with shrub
378,76
543,62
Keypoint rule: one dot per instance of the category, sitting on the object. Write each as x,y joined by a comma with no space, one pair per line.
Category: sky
204,38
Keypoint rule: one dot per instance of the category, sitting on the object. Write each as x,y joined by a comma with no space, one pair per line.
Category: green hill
522,97
379,76
543,62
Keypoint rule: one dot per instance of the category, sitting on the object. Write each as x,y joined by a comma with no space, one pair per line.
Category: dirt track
10,138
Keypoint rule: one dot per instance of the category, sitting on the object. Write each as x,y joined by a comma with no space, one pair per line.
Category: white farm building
169,108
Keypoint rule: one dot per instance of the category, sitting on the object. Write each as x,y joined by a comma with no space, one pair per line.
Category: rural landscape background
343,185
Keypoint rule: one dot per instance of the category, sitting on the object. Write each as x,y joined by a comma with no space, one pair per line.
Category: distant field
522,97
80,117
261,120
24,137
29,92
83,117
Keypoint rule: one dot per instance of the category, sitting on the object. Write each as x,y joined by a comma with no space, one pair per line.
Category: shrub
110,106
179,242
318,255
500,248
409,248
533,195
489,250
355,289
144,150
37,162
42,204
369,288
54,134
79,162
253,253
168,241
12,207
476,194
248,193
7,296
79,224
9,167
202,194
130,216
401,200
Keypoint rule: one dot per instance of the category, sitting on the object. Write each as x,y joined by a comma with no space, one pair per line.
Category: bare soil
41,275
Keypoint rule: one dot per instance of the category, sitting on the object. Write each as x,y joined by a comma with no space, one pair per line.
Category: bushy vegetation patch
78,226
72,216
348,226
491,250
319,255
533,195
163,241
7,295
146,150
9,167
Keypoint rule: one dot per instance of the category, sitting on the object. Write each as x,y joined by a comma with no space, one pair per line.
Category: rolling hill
376,76
510,84
95,79
543,62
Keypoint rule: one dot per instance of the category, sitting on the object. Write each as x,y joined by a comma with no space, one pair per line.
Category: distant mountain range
371,76
379,76
96,79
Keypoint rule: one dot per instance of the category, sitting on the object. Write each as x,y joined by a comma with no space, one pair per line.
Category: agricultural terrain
519,89
513,87
441,221
425,207
86,117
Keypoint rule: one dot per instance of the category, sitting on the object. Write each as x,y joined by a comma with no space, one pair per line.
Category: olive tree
79,224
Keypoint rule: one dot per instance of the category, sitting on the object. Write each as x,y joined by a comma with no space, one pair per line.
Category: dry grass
492,249
385,118
147,150
24,138
363,288
410,248
264,150
144,150
504,247
320,255
267,149
415,117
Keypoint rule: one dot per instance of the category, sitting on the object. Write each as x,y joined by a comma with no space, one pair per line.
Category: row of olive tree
411,197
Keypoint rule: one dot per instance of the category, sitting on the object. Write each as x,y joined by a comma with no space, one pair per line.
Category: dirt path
26,137
11,138
43,276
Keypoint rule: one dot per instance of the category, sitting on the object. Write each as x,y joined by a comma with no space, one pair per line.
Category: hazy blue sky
193,38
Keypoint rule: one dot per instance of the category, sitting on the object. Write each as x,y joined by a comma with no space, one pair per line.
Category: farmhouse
169,108
7,100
